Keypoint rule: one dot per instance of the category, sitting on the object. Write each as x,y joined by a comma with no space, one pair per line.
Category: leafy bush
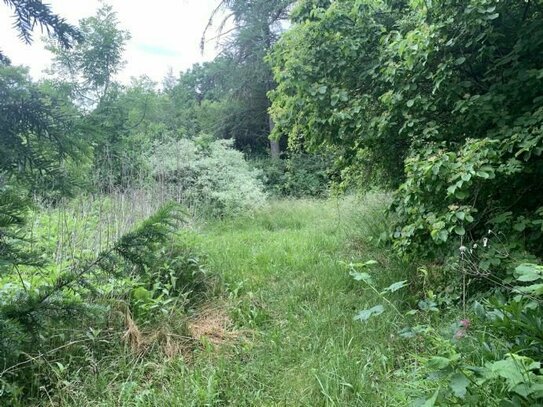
299,175
451,195
491,356
448,103
175,277
209,176
498,364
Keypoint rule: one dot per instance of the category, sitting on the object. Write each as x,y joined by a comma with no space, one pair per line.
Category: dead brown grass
212,323
170,343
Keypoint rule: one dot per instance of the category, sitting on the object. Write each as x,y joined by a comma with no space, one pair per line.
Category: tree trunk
274,144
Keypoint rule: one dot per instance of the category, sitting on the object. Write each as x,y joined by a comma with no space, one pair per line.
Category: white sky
165,34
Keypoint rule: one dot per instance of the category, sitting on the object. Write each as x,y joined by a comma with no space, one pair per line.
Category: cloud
165,34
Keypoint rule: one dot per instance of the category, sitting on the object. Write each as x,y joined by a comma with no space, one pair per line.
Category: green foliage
298,175
441,100
489,359
88,72
327,97
443,97
40,313
243,76
209,176
518,319
38,129
175,278
512,381
13,249
365,277
91,65
223,98
365,314
487,184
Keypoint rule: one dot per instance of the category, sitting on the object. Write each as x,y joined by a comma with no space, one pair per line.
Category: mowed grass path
285,272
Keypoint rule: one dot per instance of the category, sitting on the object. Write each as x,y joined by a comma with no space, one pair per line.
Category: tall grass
90,223
289,295
282,330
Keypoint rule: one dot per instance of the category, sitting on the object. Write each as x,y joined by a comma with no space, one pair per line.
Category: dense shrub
208,175
459,195
448,103
298,175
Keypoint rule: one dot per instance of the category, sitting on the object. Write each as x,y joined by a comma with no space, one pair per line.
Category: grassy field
281,333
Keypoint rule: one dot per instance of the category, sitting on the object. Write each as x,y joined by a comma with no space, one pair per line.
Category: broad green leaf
459,61
519,226
361,276
459,230
536,289
395,287
459,385
461,194
431,402
528,272
460,215
366,314
513,369
439,362
527,389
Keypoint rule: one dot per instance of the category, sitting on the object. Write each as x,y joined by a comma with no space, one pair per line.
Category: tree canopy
444,98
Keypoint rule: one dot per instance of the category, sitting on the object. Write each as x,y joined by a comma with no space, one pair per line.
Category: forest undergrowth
287,322
213,240
303,302
280,330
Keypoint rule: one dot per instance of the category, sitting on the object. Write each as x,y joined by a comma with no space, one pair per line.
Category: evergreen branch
29,13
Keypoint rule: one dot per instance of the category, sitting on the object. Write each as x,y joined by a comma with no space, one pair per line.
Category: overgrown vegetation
443,101
341,209
208,175
298,175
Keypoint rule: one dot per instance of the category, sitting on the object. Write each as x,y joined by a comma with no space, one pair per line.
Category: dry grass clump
211,324
171,340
